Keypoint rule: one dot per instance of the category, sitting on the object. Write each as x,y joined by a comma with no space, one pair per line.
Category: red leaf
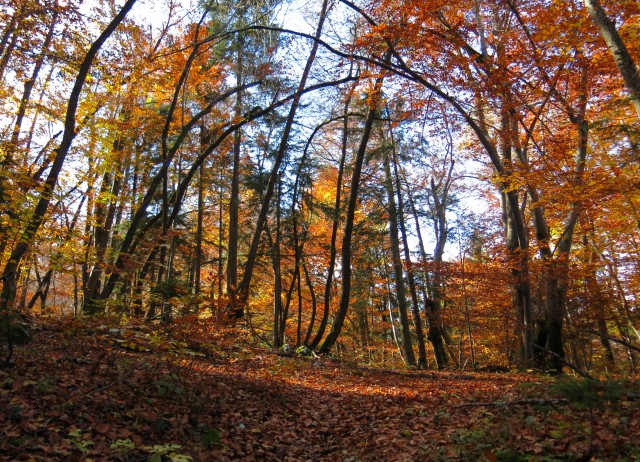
103,428
491,457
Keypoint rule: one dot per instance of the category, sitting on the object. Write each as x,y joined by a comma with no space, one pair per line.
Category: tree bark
398,274
7,296
621,56
349,221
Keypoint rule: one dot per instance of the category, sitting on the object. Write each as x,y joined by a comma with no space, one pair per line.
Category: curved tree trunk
621,55
240,296
349,221
9,274
334,227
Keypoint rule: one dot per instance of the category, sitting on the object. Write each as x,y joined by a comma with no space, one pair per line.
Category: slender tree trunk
279,319
347,237
467,314
299,291
41,291
314,303
516,238
242,290
432,308
557,270
334,225
298,245
234,198
199,230
109,195
398,275
10,39
415,309
220,275
621,55
44,283
30,83
597,301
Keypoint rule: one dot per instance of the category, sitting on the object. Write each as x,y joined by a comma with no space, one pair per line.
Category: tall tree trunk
7,295
347,237
109,195
398,274
432,308
279,317
415,308
314,303
220,275
557,269
335,223
197,276
516,237
242,291
234,198
621,56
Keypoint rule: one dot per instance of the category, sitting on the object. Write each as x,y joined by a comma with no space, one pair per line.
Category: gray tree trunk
398,273
349,221
9,274
621,55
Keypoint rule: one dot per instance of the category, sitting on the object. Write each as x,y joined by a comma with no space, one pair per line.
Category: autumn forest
403,186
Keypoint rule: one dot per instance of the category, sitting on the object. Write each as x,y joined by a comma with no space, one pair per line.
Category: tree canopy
439,184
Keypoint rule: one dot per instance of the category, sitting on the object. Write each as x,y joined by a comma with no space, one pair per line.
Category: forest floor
87,390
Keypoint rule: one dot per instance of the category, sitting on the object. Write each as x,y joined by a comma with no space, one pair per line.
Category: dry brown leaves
90,391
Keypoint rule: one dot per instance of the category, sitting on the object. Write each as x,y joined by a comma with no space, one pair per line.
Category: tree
358,162
623,59
396,259
7,297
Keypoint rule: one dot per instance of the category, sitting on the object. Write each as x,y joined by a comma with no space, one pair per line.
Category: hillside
98,391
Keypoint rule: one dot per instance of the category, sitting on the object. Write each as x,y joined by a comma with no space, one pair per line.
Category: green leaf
556,434
211,438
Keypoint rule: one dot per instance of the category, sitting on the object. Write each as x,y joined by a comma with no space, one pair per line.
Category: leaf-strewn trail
93,391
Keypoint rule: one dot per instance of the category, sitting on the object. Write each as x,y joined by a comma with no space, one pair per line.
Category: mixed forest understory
325,230
100,390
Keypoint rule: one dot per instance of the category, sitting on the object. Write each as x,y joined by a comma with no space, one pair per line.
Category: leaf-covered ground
99,391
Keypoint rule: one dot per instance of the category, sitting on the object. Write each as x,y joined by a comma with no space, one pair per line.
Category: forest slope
94,391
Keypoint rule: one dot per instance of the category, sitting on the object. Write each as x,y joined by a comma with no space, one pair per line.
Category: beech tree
7,297
308,177
621,56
